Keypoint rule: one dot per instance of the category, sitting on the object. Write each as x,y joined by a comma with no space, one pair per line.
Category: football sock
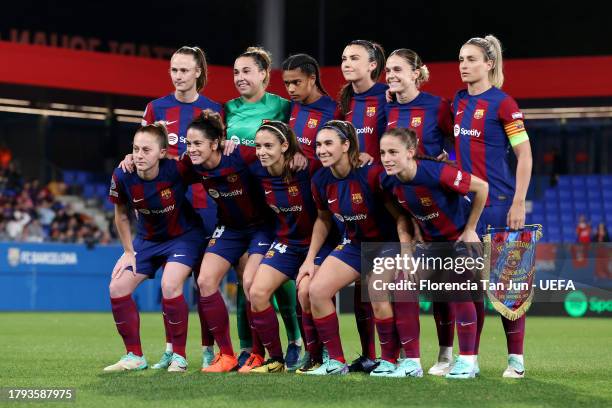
387,336
127,320
177,312
445,323
408,327
466,322
217,318
244,329
266,324
286,297
328,330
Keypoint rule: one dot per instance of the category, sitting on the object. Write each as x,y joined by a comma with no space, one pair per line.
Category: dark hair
157,129
346,131
284,133
200,59
308,65
376,53
210,124
415,62
409,138
262,59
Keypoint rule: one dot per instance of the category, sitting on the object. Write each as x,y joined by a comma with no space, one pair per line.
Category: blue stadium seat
82,177
592,181
551,206
550,194
565,195
566,206
606,181
564,181
580,206
101,190
89,190
596,218
568,218
607,194
569,235
577,181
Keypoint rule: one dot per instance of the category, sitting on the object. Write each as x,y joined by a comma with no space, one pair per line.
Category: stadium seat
69,177
565,195
564,181
89,190
567,218
578,181
101,190
83,177
566,207
592,181
606,181
580,206
550,194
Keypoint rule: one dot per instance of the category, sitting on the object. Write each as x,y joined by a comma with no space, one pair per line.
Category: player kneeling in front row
168,232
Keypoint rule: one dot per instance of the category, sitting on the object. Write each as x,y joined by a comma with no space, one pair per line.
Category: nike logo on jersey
401,202
267,191
291,118
348,113
390,123
331,201
170,123
458,113
137,201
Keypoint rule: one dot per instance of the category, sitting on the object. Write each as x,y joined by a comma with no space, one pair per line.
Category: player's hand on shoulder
299,162
365,159
127,164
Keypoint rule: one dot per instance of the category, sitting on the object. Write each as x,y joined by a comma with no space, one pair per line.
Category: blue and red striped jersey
177,116
486,125
291,202
160,205
305,120
429,116
434,197
356,202
236,191
367,114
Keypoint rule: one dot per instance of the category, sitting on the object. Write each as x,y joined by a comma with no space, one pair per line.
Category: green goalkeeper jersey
244,118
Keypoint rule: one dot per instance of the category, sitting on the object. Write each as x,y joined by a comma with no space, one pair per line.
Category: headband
283,137
337,129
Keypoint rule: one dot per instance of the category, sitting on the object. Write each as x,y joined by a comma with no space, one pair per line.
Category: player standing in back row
488,122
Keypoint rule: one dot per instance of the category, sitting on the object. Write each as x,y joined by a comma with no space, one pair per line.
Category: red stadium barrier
109,73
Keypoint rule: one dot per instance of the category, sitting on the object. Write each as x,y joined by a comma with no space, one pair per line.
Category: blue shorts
287,259
209,219
350,253
186,249
493,215
231,244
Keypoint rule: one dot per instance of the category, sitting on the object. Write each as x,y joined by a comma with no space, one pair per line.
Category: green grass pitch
568,361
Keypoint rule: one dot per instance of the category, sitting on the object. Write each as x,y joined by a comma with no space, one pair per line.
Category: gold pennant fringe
497,304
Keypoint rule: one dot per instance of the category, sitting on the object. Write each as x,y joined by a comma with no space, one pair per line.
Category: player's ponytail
210,124
308,65
415,62
262,59
376,54
492,51
347,133
157,129
284,133
200,59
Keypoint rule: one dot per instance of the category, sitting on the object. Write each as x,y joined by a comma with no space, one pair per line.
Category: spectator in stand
14,227
583,230
33,232
601,235
6,156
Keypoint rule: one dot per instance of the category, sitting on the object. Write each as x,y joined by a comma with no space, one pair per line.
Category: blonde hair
492,51
157,129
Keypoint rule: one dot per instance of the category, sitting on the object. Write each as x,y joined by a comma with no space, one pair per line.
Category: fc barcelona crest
479,113
357,198
312,123
426,201
293,191
165,194
416,122
371,111
232,178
